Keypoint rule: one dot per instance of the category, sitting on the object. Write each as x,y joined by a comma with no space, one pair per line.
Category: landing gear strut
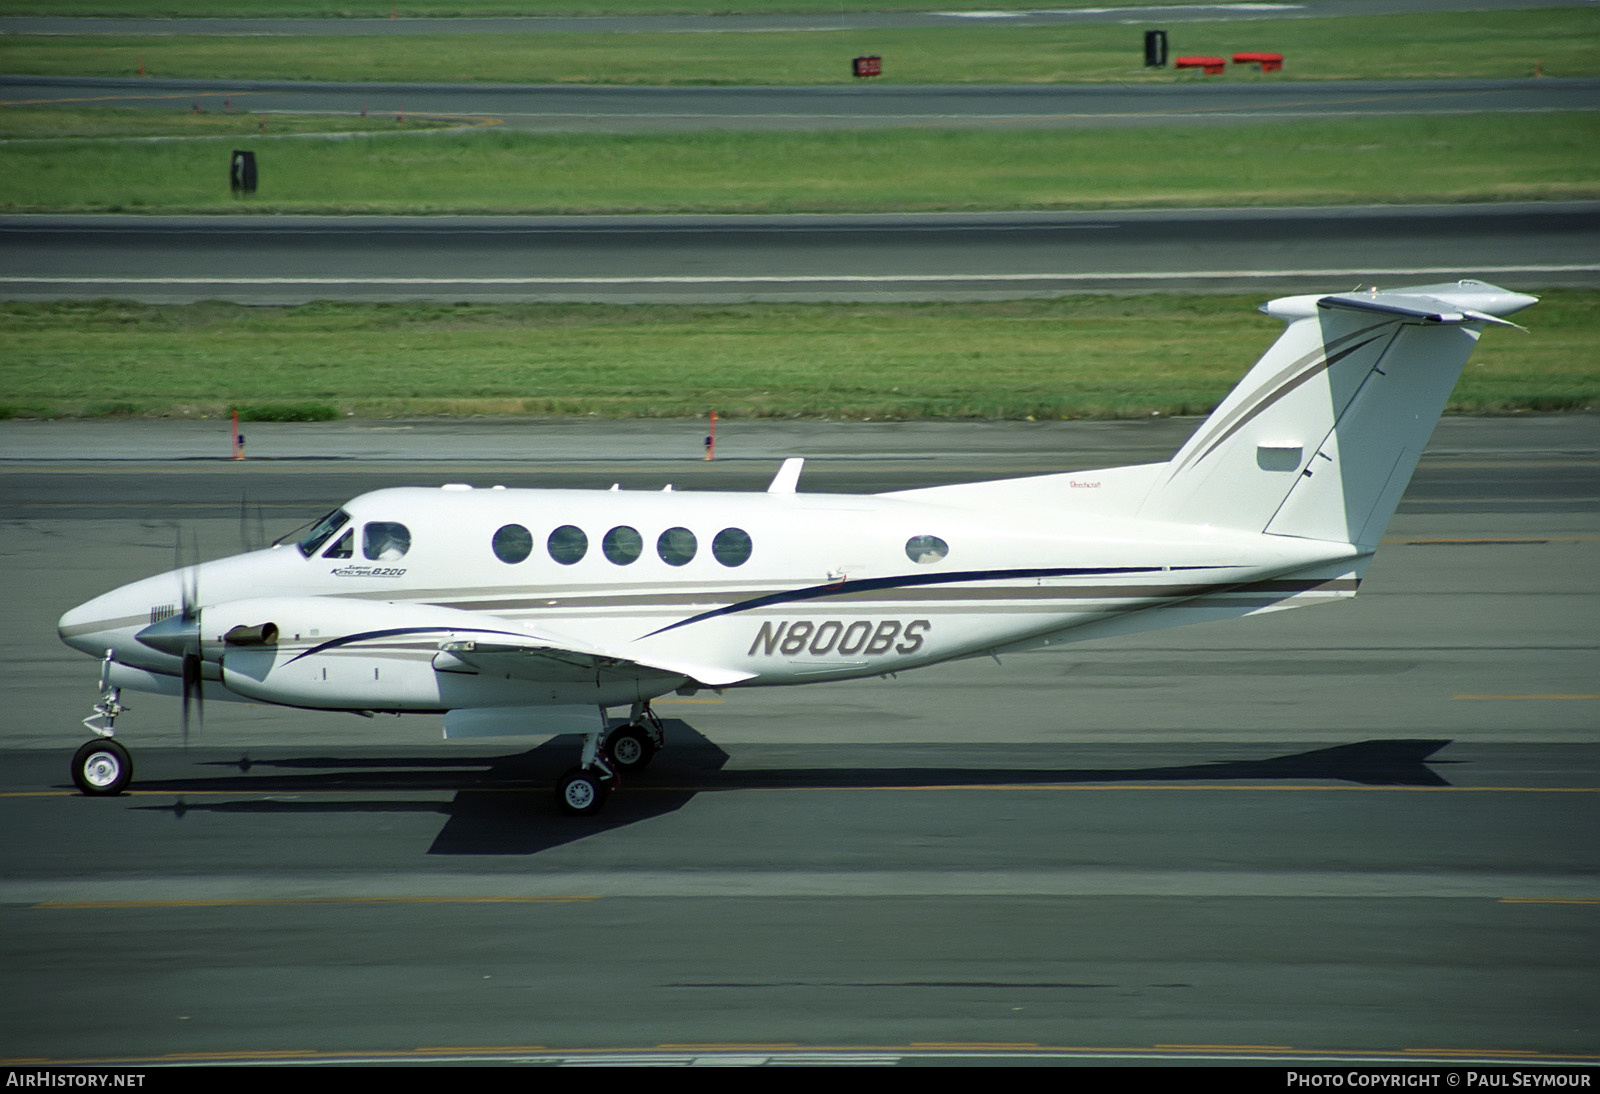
103,766
582,791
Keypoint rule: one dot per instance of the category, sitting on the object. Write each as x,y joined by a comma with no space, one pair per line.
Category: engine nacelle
337,653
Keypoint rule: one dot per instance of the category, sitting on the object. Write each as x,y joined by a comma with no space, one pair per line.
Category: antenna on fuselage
787,480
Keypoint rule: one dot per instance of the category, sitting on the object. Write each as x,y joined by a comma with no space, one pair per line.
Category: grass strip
1404,159
1073,357
1554,42
111,123
420,9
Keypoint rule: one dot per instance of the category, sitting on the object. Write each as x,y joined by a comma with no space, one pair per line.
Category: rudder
1319,440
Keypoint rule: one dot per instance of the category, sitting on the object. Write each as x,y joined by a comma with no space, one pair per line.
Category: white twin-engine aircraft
537,611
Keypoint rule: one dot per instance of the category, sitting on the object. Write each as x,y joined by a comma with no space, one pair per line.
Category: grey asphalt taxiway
1354,833
598,108
280,260
745,23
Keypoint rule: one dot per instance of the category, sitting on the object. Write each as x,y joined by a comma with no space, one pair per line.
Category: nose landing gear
102,766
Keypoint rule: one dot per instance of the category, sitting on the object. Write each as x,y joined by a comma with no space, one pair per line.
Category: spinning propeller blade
191,653
179,635
192,687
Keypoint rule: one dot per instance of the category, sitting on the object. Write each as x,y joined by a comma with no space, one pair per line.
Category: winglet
787,480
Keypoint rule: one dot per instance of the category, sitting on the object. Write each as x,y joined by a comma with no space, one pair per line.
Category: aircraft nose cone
82,628
175,635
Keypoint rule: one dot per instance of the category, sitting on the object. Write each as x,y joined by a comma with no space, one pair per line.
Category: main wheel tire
102,767
630,748
581,792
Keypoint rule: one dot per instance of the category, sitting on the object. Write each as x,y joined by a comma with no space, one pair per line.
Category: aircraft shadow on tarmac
502,804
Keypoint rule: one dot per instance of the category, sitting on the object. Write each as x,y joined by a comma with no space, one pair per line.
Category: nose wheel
102,767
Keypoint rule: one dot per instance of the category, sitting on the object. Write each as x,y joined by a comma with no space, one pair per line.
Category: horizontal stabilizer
1413,306
1455,302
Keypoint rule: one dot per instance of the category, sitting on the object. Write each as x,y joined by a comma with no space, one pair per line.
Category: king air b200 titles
540,611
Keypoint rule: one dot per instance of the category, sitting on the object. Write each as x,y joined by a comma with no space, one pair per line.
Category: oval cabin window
676,546
513,543
622,545
731,547
568,544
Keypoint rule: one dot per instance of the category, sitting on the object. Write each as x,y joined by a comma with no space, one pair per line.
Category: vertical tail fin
1319,439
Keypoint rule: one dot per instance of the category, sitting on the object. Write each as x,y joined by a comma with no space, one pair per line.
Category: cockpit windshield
322,530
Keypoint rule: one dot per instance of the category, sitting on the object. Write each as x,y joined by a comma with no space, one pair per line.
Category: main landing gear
630,747
102,766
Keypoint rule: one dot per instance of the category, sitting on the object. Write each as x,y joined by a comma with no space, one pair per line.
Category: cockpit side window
343,547
385,540
322,530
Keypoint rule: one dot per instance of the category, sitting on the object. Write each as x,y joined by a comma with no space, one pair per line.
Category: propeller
190,616
179,635
191,686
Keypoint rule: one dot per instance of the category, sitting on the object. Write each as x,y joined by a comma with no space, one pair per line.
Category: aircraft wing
553,662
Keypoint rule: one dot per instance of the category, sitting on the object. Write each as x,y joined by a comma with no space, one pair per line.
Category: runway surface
294,259
743,24
1362,832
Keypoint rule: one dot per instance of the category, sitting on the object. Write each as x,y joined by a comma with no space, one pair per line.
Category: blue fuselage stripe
905,581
